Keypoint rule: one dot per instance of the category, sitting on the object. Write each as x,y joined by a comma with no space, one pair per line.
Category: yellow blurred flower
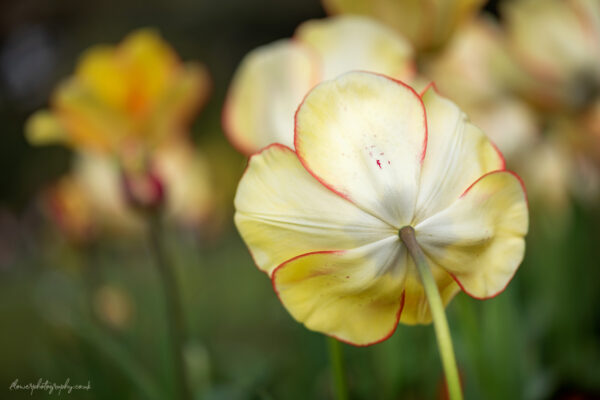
428,24
125,98
272,80
371,157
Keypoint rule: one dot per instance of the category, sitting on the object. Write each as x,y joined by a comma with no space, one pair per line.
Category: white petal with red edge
457,154
347,43
364,135
265,93
344,294
479,239
282,211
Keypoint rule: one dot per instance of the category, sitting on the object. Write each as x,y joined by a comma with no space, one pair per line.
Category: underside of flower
372,157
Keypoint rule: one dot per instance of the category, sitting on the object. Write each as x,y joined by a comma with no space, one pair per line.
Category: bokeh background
94,311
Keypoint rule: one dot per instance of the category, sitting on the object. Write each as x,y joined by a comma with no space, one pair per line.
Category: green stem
173,309
442,332
337,365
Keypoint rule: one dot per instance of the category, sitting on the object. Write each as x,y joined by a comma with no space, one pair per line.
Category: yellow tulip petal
343,294
457,154
416,305
185,94
265,93
150,63
406,16
282,211
103,77
43,127
349,43
364,135
479,239
90,122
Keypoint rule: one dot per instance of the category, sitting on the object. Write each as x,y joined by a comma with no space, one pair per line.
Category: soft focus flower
472,71
126,98
372,156
427,24
114,306
90,199
273,79
557,45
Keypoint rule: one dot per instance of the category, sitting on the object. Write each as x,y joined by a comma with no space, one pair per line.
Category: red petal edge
398,313
515,271
280,146
318,178
432,85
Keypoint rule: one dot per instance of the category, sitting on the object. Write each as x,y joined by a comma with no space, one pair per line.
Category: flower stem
442,332
173,309
337,365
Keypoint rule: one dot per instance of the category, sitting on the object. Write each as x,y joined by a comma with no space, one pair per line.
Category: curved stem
442,332
337,365
173,309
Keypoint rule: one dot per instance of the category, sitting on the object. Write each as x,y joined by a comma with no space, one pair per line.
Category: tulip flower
129,97
273,79
557,45
382,182
473,70
89,200
428,25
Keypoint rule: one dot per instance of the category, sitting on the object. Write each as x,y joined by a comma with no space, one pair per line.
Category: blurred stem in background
174,310
440,323
337,368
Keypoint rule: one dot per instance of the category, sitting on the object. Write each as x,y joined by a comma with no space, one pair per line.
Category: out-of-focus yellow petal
363,135
343,294
150,64
104,77
457,154
282,211
427,24
348,43
416,305
480,238
265,93
44,128
186,93
87,119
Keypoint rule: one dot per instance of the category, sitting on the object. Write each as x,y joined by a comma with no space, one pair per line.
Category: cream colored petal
282,211
349,43
265,93
479,239
187,176
363,135
457,154
43,128
552,38
343,294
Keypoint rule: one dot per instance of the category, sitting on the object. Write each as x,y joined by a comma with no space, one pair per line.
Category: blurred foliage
95,311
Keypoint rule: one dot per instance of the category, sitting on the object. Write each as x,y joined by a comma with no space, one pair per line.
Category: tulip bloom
557,45
272,80
372,157
428,25
90,198
131,97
